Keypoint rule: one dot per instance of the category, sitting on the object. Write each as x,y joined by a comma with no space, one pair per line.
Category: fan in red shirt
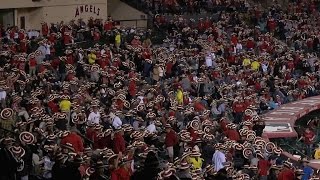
287,172
23,45
108,25
170,141
119,144
232,132
238,109
193,134
263,166
198,106
21,34
96,35
44,29
52,105
132,87
103,61
74,139
308,138
124,172
136,41
66,38
70,58
250,43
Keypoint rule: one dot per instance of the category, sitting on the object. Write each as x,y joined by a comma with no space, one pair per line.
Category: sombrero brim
6,113
27,137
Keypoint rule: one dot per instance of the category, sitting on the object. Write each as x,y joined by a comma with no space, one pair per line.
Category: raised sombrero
6,113
17,151
26,137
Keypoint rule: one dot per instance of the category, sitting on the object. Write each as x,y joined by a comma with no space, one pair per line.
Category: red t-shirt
232,134
53,107
75,140
198,107
308,137
286,174
171,139
263,166
121,174
32,62
119,144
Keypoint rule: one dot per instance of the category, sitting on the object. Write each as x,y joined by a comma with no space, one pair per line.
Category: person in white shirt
209,60
47,51
94,116
152,128
115,121
239,47
218,159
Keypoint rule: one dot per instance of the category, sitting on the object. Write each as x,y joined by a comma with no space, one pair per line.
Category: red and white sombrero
151,115
238,146
17,151
167,173
247,152
90,171
6,113
195,124
27,137
277,150
270,146
251,137
140,107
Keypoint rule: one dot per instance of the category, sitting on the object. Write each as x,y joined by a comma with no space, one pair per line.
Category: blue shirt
308,171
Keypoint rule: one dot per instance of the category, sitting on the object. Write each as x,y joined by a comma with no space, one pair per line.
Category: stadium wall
30,13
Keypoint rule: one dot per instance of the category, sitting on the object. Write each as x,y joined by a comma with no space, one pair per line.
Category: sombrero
184,165
287,164
136,135
277,151
6,113
195,153
90,171
247,152
140,107
194,124
270,146
185,137
27,137
251,137
68,146
17,151
150,115
208,137
167,173
138,144
239,146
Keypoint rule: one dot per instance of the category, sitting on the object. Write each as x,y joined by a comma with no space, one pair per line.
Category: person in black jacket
8,163
258,127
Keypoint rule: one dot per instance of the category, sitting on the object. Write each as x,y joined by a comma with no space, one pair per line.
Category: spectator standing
308,138
219,158
170,141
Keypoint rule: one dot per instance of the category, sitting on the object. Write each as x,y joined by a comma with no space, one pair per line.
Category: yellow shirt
65,105
118,39
179,96
92,58
197,163
255,65
317,154
246,62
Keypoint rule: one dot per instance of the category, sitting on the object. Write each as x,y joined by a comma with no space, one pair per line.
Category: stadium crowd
190,108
